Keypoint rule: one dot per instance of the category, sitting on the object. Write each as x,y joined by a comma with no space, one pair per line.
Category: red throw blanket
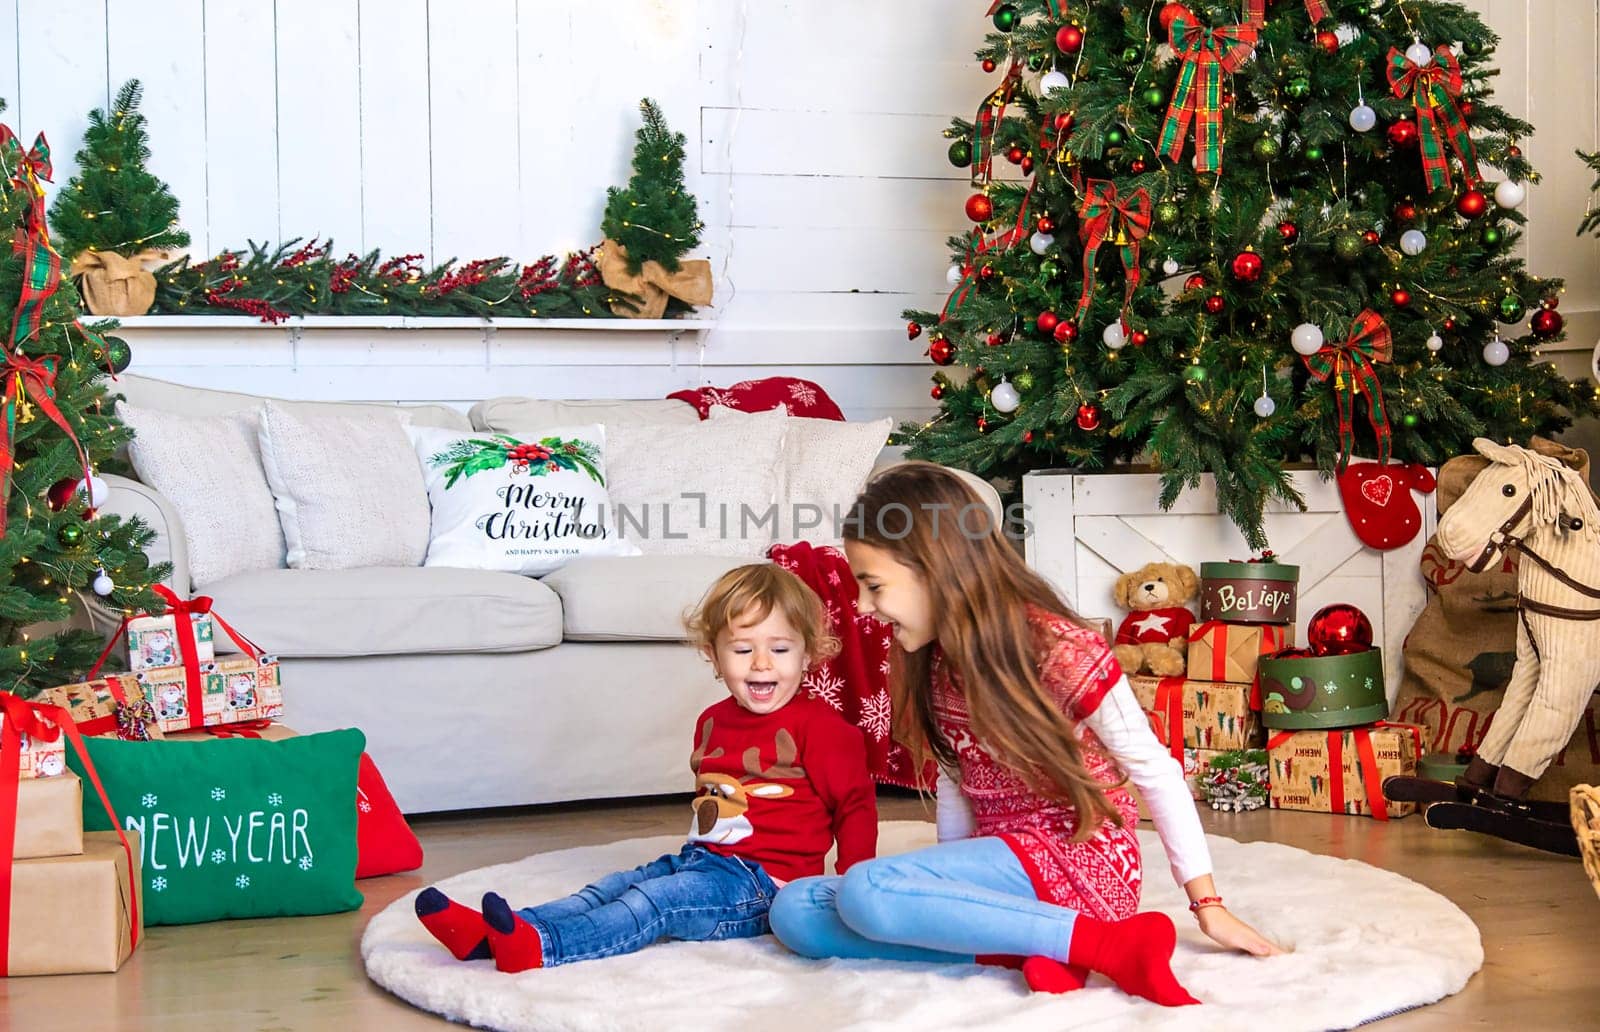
856,681
797,397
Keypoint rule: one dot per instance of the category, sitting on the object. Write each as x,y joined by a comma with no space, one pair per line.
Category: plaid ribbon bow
987,121
1197,98
1434,90
26,169
1104,211
1350,365
27,378
1316,10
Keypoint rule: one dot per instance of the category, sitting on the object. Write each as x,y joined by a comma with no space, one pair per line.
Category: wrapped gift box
234,689
153,641
75,913
1237,592
42,759
1342,771
1209,714
49,817
1229,652
96,705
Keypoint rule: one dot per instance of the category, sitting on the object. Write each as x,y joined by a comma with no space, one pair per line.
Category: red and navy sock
1136,954
460,929
514,942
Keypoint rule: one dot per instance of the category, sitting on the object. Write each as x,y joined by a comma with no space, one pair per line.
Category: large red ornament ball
1547,323
1215,304
941,352
61,493
1070,39
1289,231
980,208
1088,417
1403,133
1400,296
913,330
1015,154
1047,321
1328,41
1339,630
988,64
1169,13
1066,332
1246,267
1472,204
1195,282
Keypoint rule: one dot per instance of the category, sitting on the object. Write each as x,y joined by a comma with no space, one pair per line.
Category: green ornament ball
1115,137
1492,236
1410,419
1167,212
1132,55
1266,148
1195,373
960,153
1349,246
1474,48
120,354
1023,381
1036,61
1314,153
1005,18
1299,87
1512,309
70,535
1154,98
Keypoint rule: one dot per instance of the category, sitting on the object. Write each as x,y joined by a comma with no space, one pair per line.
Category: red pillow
385,843
798,397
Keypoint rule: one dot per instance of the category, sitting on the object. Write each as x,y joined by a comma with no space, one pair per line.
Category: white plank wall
493,127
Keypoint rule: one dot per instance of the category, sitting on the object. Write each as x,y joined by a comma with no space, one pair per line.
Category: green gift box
1316,692
1249,593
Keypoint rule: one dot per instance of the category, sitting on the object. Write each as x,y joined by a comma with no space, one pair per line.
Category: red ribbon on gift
1169,700
1378,804
1349,364
1272,638
97,726
45,723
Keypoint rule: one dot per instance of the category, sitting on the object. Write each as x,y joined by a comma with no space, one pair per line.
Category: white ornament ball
1510,194
103,585
1413,241
1496,353
1004,397
1265,406
1170,266
97,490
1112,336
1363,119
1435,343
1041,242
1419,54
952,275
1051,81
1306,339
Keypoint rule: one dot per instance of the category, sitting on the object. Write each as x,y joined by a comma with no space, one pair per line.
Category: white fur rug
1366,943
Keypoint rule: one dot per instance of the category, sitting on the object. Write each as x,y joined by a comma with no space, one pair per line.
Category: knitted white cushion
349,490
209,468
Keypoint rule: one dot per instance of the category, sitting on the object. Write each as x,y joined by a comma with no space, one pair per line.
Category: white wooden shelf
406,322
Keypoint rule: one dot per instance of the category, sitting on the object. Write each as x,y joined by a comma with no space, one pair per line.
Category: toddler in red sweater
779,778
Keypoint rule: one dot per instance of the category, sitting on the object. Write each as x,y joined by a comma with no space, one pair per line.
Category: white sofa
475,688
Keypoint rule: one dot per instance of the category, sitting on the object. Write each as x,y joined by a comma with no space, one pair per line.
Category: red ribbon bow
1350,365
29,378
32,165
1206,54
1434,88
1103,210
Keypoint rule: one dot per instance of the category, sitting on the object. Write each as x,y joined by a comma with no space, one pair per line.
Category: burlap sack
1459,653
114,285
653,285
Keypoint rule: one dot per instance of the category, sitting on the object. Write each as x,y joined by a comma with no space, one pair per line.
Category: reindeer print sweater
780,788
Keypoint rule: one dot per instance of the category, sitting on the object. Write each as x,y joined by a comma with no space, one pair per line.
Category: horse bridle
1503,541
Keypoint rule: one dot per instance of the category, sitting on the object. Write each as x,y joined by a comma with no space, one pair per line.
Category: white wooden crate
1089,528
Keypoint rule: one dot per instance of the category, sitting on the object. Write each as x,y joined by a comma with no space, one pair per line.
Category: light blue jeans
947,903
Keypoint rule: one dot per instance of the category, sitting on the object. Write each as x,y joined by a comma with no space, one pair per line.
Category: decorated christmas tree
654,217
1227,237
58,427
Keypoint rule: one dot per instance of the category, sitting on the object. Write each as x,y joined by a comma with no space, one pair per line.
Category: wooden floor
1538,915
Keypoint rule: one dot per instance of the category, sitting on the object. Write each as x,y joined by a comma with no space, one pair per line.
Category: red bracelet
1205,901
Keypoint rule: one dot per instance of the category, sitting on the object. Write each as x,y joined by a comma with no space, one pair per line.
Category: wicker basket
1586,822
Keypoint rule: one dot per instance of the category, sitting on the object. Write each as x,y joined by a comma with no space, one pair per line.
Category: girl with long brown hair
1037,735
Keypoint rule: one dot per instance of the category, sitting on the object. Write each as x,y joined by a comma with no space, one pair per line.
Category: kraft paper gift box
234,689
153,641
95,706
1229,652
49,817
1342,771
72,914
1208,714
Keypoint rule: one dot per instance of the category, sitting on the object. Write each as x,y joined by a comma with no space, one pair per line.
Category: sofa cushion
389,611
514,415
639,598
203,401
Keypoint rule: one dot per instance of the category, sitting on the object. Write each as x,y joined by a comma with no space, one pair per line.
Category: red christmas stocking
1378,501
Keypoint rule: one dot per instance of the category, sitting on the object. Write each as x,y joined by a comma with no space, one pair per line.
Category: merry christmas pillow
235,827
521,503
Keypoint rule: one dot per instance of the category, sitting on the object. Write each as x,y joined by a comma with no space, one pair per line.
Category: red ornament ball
1400,296
1137,167
1169,13
1015,154
1027,437
988,64
1289,232
1139,338
1047,322
1064,122
1070,39
1405,211
1467,107
913,330
936,392
1403,133
1246,267
1339,630
1027,165
941,352
1553,301
1195,282
983,424
1047,224
1547,323
1513,151
1215,304
1066,332
1371,237
1472,204
980,208
987,272
1450,322
993,340
1328,41
61,493
1088,417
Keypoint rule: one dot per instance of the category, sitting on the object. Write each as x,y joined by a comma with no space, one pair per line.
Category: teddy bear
1154,636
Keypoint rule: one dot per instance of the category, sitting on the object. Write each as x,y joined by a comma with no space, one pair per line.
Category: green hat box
1249,593
1313,693
1443,766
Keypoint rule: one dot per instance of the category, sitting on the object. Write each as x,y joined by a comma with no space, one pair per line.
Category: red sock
1046,975
1136,954
460,929
1005,960
514,942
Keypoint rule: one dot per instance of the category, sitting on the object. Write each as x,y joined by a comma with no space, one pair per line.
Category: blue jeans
947,903
695,895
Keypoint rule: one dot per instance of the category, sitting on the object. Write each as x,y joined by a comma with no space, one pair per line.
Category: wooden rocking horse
1538,507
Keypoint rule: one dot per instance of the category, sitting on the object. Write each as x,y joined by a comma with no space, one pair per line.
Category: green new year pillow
236,827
